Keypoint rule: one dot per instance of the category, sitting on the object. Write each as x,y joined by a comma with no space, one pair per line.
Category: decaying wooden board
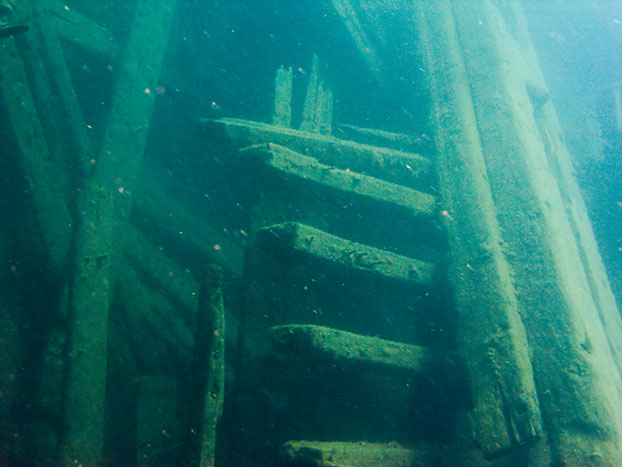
44,182
404,168
313,342
385,194
292,237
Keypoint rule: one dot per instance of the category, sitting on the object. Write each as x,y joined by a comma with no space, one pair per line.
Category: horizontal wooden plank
293,164
400,167
79,30
291,237
319,341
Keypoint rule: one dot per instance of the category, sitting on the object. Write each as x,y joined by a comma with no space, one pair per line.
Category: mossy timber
383,261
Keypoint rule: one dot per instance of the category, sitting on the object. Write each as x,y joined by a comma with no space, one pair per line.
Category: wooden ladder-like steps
404,168
349,256
328,178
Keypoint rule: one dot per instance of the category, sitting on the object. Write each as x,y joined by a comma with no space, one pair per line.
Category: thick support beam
327,454
104,200
579,385
492,335
52,88
206,390
385,139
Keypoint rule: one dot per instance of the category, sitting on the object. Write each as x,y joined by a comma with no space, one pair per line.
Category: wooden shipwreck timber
365,300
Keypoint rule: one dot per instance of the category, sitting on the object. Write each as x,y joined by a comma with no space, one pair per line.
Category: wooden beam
104,200
206,390
292,238
579,383
53,93
282,115
290,164
81,31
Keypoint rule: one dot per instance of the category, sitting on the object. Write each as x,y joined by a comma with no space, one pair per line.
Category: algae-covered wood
312,341
291,237
576,376
114,171
34,157
400,167
492,335
385,194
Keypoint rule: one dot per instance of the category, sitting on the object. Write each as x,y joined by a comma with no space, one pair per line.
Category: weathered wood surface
282,115
562,169
81,31
321,342
404,168
384,194
386,139
337,454
288,238
52,88
209,361
492,335
309,110
577,378
317,113
114,171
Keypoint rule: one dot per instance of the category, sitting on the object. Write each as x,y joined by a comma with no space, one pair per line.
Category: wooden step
400,167
385,139
326,343
351,454
293,164
292,237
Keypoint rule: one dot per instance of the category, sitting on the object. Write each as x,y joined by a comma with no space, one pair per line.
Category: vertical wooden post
283,98
492,336
573,356
208,370
317,114
104,198
310,106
